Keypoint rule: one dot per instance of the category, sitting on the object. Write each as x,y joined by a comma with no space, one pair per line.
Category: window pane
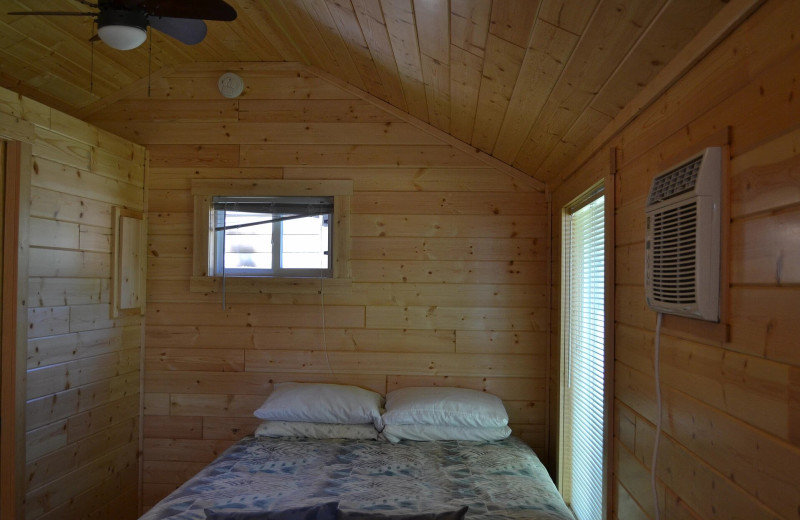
305,243
248,247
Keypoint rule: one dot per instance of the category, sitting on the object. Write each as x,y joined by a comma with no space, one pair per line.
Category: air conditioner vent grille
674,255
674,182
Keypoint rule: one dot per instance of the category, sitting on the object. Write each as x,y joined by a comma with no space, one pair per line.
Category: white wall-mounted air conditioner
682,238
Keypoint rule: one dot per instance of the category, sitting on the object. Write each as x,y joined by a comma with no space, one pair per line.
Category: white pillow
316,430
321,403
446,406
435,432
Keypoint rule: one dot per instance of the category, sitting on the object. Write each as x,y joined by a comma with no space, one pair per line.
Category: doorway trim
14,212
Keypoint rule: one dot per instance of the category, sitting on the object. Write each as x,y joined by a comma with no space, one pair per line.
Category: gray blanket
497,480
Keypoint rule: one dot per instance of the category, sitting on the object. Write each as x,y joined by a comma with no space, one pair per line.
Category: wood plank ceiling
527,81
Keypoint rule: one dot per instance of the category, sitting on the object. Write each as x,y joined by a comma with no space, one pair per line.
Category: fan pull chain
91,71
149,58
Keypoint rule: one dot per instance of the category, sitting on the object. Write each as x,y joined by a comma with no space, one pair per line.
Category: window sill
265,285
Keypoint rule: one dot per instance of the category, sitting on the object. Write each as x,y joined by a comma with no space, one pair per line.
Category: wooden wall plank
516,342
174,110
355,155
118,168
448,253
404,248
219,360
46,439
618,29
455,317
202,86
243,315
77,400
371,292
270,132
500,69
68,208
729,437
457,203
56,378
97,419
688,365
85,504
61,149
83,370
229,428
306,111
655,48
469,25
222,155
376,36
764,250
76,345
64,178
83,479
207,405
399,18
346,23
54,233
748,468
433,33
544,60
379,363
465,79
765,177
165,426
191,337
73,264
414,271
58,463
197,381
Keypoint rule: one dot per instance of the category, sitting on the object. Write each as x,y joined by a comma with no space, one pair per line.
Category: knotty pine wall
449,263
83,377
731,447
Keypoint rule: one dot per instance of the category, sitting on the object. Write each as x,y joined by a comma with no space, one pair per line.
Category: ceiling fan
122,24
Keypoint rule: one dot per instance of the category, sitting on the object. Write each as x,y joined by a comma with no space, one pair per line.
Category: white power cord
659,405
324,338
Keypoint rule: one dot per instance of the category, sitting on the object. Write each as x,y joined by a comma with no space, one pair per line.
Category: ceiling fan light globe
122,29
122,37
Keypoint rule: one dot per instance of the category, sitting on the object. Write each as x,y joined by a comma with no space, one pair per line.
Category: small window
272,236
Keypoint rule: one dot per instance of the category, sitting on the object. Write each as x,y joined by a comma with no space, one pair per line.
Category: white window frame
567,428
277,270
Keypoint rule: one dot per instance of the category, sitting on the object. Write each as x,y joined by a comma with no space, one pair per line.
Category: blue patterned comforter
497,480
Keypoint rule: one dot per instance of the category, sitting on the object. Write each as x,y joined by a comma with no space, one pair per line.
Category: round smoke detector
230,85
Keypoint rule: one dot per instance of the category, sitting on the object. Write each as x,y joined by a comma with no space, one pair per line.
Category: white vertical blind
583,415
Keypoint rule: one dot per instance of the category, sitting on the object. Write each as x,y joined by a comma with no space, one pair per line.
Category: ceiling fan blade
185,30
52,13
124,4
196,9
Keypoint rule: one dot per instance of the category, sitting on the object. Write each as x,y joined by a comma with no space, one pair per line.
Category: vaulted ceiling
528,81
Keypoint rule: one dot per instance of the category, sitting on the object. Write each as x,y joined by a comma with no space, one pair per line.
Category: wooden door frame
13,330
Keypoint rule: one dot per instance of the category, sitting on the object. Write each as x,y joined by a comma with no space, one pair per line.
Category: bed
494,479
